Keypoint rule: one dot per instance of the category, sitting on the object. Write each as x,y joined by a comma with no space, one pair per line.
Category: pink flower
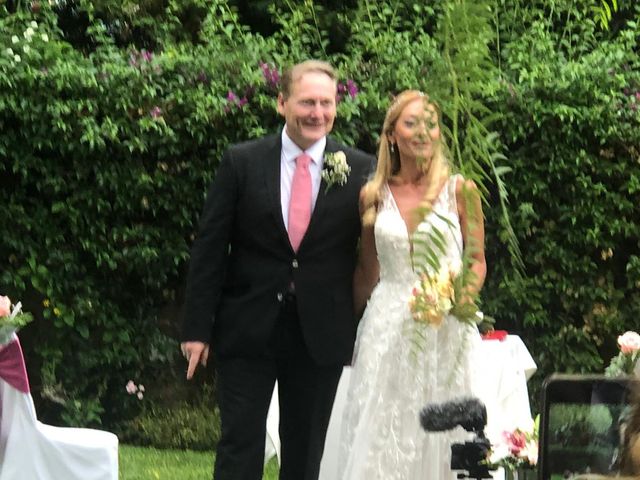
629,342
131,387
516,441
5,306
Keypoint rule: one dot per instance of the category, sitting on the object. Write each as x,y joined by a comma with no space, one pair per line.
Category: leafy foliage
113,116
572,128
181,427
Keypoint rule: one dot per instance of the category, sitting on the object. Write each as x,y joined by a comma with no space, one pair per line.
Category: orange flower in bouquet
432,297
436,295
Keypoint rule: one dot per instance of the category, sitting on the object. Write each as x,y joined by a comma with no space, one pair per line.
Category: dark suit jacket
242,262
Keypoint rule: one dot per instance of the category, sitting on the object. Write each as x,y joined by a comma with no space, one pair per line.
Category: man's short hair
293,74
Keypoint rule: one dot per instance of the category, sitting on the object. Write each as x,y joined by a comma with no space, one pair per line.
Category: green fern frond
604,12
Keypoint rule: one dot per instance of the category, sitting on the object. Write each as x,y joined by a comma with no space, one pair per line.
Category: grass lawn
140,463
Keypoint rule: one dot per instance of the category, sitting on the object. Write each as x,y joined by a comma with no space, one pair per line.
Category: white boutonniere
335,169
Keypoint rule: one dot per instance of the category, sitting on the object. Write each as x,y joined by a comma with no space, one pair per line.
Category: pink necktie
300,203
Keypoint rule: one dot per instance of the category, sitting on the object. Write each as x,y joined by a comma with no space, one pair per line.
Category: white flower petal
17,308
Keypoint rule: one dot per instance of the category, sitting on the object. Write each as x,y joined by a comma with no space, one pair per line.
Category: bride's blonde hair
436,169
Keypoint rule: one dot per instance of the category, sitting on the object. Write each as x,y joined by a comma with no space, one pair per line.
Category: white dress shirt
288,165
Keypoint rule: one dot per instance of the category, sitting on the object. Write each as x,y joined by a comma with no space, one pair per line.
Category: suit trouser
305,390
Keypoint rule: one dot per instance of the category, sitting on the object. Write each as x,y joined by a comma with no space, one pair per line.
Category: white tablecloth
504,366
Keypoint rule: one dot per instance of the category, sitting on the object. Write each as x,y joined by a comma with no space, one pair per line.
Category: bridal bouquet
432,297
627,359
435,295
12,318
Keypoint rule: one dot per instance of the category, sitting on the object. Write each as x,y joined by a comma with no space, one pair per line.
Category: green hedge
572,129
112,124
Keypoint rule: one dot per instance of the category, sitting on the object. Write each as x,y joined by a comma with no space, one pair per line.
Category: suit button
294,264
280,296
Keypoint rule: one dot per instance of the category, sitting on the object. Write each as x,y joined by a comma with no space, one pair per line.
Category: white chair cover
30,450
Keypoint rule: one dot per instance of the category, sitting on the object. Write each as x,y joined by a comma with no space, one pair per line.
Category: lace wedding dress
395,372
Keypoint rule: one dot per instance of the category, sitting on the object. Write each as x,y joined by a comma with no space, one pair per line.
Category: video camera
471,414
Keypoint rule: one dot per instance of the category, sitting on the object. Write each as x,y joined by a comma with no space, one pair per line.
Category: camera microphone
468,412
471,414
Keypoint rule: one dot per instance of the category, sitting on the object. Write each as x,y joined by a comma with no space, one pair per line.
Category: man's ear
280,104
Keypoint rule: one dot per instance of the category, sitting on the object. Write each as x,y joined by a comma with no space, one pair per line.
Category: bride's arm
367,269
472,225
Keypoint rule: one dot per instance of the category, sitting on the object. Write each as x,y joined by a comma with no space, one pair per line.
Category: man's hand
194,352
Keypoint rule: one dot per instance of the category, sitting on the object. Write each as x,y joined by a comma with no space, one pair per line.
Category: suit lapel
272,180
322,192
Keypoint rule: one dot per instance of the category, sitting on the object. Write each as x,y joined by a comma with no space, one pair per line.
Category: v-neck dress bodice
395,244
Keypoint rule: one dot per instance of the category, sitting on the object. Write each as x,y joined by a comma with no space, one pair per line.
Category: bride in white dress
400,364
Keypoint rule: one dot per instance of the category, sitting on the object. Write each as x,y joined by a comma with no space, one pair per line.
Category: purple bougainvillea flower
271,75
352,88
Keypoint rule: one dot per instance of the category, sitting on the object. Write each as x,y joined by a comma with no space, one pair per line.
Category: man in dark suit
270,280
